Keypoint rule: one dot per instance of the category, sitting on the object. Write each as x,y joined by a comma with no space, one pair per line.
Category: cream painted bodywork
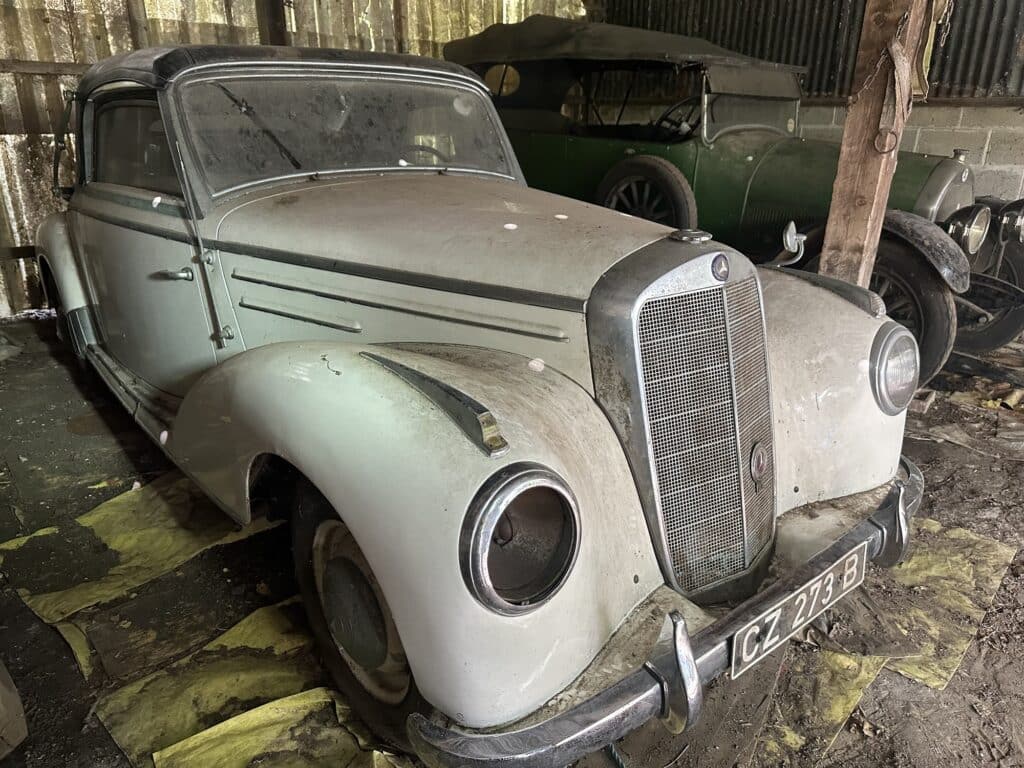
53,247
831,438
349,423
478,229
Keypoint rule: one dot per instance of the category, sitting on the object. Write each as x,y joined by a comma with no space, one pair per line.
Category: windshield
727,110
246,129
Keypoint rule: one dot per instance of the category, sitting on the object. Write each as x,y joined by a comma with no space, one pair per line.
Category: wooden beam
891,43
21,67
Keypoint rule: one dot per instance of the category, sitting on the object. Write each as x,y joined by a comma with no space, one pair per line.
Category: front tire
350,619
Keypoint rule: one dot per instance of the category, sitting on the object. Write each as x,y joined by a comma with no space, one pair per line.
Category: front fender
402,473
929,239
54,250
831,438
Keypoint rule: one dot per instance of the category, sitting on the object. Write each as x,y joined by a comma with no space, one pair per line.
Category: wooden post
890,45
273,26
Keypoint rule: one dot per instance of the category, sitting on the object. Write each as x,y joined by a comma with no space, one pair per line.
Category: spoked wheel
351,621
641,197
982,331
651,188
917,298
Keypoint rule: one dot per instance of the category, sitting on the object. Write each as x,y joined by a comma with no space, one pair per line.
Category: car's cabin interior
563,97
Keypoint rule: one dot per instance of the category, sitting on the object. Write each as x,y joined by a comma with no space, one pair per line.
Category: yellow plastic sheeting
942,594
266,656
80,647
122,543
313,728
813,700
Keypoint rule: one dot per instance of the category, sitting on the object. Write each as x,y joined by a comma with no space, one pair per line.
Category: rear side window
132,147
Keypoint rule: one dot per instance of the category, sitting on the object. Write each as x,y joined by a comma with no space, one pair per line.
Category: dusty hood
463,228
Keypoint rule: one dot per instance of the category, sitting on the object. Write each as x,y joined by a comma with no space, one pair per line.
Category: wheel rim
641,197
972,319
357,616
901,301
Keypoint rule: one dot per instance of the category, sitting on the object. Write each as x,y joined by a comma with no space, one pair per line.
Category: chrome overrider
670,686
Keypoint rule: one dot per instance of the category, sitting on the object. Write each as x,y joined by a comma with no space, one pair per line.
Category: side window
132,148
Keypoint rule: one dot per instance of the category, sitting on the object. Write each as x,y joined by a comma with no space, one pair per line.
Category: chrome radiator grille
705,380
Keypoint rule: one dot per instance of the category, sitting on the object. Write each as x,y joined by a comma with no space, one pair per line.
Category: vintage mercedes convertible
550,469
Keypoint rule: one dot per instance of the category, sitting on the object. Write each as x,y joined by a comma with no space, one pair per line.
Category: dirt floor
67,445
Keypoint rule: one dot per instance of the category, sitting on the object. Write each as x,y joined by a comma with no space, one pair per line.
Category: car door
135,236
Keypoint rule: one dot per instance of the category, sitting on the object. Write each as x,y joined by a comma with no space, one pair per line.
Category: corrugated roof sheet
981,55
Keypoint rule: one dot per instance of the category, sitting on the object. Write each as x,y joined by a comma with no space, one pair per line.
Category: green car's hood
791,179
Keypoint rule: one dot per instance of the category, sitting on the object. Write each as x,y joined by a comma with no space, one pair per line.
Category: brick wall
993,137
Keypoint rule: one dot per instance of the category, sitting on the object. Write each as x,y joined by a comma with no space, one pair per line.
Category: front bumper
671,684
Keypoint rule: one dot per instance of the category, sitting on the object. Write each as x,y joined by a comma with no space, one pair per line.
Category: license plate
795,611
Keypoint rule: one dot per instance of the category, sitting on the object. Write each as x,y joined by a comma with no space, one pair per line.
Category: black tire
52,295
312,513
652,188
917,297
1006,325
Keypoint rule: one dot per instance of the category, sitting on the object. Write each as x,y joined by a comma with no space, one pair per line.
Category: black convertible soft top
153,67
546,38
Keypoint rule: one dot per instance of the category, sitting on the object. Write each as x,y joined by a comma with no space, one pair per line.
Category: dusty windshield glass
727,110
249,129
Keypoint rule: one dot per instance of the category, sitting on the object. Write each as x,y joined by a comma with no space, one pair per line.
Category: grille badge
720,267
758,462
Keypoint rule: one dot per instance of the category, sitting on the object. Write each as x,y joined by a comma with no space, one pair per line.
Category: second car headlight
969,226
895,365
520,538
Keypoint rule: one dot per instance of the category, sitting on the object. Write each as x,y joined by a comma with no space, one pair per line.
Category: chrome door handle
185,273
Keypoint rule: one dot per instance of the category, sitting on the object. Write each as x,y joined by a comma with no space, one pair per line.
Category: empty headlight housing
520,539
895,366
969,226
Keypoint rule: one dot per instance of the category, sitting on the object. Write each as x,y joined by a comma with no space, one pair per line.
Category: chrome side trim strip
404,277
303,315
506,324
472,417
146,229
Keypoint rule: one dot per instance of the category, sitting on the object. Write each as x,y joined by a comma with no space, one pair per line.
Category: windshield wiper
246,109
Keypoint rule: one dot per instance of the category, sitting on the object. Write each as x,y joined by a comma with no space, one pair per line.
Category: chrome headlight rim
969,227
1011,222
478,529
885,339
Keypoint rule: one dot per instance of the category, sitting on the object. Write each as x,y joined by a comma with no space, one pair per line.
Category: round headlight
969,227
977,229
894,368
520,539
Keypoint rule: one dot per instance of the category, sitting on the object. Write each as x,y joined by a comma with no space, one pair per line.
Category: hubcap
638,196
357,614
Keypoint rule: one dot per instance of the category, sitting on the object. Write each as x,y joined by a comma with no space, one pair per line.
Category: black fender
932,242
924,236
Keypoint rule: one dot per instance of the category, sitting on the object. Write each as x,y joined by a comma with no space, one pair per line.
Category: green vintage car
726,152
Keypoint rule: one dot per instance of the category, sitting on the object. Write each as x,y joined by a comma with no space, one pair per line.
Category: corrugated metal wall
982,54
46,44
